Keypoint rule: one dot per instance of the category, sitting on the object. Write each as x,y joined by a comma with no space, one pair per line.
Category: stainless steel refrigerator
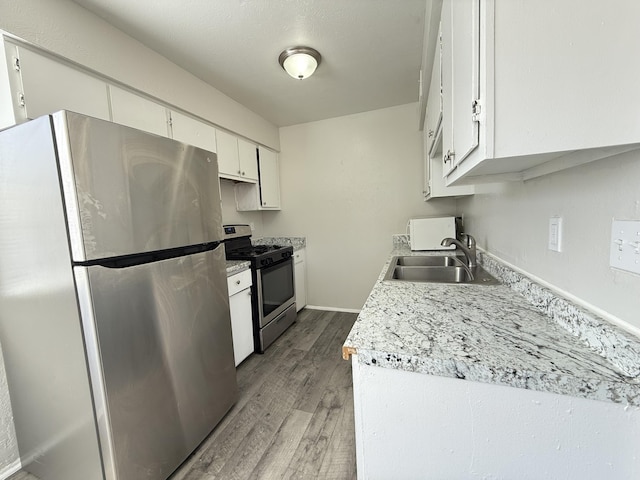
114,317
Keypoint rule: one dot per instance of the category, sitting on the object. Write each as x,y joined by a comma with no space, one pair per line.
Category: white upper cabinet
269,178
38,85
247,156
433,116
528,90
237,159
265,195
460,39
189,130
434,182
135,111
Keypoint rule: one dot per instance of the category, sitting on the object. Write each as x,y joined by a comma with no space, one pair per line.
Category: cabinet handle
449,156
237,282
243,174
239,172
264,203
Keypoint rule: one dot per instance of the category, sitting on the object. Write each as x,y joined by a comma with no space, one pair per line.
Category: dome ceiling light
300,62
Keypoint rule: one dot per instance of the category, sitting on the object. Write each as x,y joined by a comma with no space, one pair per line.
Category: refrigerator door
128,192
40,330
160,353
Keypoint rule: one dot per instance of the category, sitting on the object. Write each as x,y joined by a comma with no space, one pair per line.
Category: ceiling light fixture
300,62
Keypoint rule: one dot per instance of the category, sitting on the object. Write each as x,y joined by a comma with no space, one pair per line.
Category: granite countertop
515,334
297,243
237,266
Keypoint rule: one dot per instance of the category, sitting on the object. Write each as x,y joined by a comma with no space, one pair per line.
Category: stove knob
263,261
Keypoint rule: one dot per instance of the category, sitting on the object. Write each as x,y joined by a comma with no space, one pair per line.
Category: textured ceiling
371,49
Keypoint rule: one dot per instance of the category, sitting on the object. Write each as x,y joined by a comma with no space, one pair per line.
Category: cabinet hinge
21,99
16,64
475,111
170,120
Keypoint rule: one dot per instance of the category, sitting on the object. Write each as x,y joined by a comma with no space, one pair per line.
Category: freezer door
127,191
161,359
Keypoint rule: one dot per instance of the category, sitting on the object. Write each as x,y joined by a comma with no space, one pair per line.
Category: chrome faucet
469,249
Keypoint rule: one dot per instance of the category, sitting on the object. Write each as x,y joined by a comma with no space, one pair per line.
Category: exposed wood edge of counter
348,351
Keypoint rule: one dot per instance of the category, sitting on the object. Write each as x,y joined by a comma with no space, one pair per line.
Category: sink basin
436,269
430,261
457,274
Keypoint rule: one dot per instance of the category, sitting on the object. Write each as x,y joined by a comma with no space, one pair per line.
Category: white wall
513,225
69,30
348,184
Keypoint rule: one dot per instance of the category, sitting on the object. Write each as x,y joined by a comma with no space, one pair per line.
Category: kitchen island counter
493,334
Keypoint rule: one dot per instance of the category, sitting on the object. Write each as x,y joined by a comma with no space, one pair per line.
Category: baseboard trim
10,469
332,309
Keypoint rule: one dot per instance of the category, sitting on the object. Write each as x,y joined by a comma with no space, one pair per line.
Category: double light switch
625,245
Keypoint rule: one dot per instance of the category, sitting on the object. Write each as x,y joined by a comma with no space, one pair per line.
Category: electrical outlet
555,234
252,226
625,245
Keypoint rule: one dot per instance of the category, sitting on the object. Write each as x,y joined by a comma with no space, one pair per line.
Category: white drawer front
239,282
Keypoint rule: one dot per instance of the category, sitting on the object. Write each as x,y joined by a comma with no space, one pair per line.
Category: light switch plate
555,234
625,245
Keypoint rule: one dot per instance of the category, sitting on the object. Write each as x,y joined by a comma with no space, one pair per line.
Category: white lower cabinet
300,276
241,316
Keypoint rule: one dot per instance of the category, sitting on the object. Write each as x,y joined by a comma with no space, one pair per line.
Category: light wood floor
294,417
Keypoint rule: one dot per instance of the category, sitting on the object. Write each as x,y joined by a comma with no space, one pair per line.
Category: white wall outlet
252,226
625,245
555,234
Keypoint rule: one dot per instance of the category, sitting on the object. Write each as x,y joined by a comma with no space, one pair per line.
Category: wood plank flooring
294,416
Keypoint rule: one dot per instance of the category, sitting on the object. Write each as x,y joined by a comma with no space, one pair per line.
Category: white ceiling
371,49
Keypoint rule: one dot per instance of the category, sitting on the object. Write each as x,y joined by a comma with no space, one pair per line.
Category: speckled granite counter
237,266
493,334
296,242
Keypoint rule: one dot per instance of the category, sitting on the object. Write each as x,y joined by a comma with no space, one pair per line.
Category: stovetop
238,247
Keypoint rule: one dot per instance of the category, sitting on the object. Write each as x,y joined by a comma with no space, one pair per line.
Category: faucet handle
468,239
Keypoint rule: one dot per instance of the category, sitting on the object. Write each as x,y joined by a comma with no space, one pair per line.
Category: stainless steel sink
430,261
436,269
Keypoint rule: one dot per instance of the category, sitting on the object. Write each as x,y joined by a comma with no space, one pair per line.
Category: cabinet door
49,86
300,279
189,130
446,52
227,148
465,45
241,324
269,178
433,117
135,111
460,79
248,160
433,120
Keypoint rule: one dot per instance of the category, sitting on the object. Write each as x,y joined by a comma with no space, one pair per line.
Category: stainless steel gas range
272,293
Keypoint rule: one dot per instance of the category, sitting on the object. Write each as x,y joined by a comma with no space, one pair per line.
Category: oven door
275,290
